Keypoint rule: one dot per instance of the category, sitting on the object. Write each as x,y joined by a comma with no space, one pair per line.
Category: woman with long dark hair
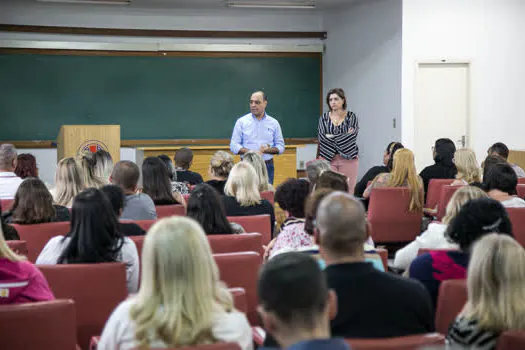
156,182
94,238
443,168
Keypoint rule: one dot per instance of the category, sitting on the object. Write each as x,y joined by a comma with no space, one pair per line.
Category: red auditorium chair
446,193
255,223
144,224
452,297
164,211
139,242
412,342
389,217
231,243
517,218
269,196
434,191
241,270
36,236
6,204
521,191
97,289
19,247
42,325
521,180
511,340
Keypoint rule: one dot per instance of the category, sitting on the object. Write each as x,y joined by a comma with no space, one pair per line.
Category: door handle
462,141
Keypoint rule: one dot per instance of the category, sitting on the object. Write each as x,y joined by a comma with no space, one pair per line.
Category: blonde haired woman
496,297
242,195
87,164
434,236
467,166
103,165
403,175
181,301
20,281
221,163
259,165
69,182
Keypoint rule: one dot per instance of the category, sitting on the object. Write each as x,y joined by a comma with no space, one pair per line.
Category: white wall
489,35
363,56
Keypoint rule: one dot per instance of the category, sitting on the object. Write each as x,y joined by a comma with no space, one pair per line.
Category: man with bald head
257,131
371,303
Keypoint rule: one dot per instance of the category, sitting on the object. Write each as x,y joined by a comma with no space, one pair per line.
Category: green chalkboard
154,97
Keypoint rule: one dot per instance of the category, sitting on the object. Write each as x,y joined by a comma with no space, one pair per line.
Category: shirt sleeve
115,327
130,258
233,327
236,140
152,211
278,140
51,252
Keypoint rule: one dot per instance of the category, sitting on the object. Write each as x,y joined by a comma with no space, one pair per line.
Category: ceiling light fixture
268,4
89,2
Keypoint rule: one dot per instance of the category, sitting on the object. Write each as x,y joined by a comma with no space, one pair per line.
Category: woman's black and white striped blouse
334,140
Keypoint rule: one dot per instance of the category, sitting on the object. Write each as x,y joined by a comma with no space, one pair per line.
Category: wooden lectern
517,157
76,139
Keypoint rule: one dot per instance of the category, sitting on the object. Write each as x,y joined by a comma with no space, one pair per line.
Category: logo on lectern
91,146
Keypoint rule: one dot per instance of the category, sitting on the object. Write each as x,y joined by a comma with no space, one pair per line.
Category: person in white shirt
500,182
9,181
434,236
94,227
181,301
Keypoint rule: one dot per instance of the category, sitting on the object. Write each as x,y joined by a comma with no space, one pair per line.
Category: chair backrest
452,297
19,247
255,223
139,242
434,191
42,325
164,211
144,224
6,204
36,236
97,289
517,218
241,270
239,299
231,243
446,193
269,196
521,190
389,217
411,342
521,180
511,340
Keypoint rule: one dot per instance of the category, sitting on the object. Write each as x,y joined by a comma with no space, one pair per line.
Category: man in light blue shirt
257,131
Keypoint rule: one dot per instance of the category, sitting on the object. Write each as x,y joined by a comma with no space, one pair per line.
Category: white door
441,107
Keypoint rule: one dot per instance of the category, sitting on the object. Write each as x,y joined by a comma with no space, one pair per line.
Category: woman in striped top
337,136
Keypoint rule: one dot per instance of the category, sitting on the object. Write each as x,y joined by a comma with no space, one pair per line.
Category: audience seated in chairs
370,175
181,301
205,206
26,166
156,183
221,163
467,167
20,281
94,238
87,163
183,161
9,181
434,236
314,169
501,150
69,182
137,205
500,182
443,167
403,175
102,165
33,204
116,199
257,161
291,196
475,219
176,186
242,195
496,297
362,291
296,305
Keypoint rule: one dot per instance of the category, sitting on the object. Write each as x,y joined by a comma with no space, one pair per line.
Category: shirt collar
263,118
7,174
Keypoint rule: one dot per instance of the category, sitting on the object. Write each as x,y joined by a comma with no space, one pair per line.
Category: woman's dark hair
501,176
339,92
312,203
477,218
206,207
26,166
183,158
169,165
291,196
332,180
33,203
396,146
156,181
95,235
490,161
500,149
445,149
116,197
